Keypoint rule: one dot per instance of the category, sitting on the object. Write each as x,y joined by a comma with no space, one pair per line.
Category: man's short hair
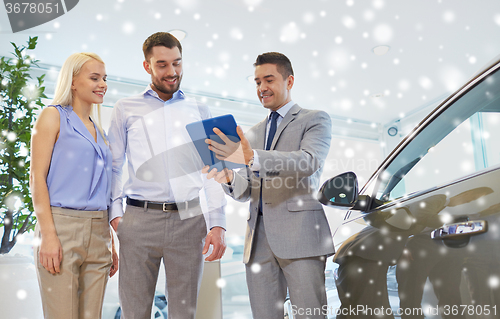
282,63
160,39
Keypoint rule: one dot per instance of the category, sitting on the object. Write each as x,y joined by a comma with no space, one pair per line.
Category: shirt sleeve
216,202
117,137
256,164
216,198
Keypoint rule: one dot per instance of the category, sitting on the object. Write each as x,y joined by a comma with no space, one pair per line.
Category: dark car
432,216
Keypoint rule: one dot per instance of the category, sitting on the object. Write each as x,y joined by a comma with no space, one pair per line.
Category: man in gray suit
288,237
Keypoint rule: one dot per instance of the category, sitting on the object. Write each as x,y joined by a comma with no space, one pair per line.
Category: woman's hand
50,254
114,255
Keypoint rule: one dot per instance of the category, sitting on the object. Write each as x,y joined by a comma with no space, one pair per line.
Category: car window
463,139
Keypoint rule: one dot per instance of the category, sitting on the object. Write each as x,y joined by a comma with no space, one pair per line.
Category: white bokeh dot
494,282
255,268
243,211
378,4
128,28
11,136
368,15
236,34
346,104
290,33
404,85
383,33
348,22
466,166
425,82
308,17
449,17
349,153
221,283
21,294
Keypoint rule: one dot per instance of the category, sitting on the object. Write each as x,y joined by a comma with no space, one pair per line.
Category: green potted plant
20,97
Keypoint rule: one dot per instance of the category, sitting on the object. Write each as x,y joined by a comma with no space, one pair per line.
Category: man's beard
164,88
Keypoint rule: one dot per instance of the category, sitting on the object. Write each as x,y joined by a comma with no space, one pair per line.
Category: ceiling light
381,49
179,34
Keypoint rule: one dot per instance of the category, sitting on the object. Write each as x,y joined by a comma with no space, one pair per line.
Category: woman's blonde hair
63,94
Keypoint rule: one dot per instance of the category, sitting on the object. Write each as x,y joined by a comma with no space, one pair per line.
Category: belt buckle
165,207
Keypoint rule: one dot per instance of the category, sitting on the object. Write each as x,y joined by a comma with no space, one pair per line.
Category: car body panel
446,171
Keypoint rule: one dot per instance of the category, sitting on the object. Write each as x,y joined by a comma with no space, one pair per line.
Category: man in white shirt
163,217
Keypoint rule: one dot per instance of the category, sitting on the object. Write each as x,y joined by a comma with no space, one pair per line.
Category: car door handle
460,229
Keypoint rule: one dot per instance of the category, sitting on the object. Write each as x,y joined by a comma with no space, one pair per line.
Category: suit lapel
289,117
259,139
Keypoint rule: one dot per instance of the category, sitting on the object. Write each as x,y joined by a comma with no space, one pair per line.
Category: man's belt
164,206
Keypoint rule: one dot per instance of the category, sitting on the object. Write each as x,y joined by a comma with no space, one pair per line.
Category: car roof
488,65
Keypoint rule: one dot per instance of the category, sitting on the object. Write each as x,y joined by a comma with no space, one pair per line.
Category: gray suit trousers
268,277
145,238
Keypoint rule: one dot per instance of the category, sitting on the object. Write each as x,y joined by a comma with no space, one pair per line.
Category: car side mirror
341,190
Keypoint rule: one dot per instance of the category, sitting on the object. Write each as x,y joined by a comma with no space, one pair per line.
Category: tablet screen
200,131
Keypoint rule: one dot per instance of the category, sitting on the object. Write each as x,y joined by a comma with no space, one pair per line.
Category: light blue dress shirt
79,174
163,165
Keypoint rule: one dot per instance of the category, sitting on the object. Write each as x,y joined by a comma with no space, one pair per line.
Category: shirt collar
282,111
178,95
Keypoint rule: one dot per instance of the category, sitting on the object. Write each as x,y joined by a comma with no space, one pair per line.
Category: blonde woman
70,183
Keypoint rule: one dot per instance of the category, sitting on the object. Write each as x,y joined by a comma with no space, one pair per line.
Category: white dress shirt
163,164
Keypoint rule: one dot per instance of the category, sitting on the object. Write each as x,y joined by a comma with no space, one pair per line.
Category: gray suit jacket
296,225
